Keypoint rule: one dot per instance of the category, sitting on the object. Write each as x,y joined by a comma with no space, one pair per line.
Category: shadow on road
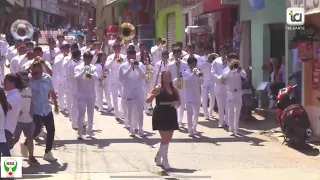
51,168
101,143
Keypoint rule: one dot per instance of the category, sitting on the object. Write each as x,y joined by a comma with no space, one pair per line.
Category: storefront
263,21
221,16
169,22
311,67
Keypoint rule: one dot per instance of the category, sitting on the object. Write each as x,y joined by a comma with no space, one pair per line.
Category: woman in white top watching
13,85
3,113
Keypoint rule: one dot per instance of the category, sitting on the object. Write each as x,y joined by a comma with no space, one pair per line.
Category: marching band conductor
233,77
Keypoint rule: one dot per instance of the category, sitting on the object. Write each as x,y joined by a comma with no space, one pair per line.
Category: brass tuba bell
21,30
164,42
127,31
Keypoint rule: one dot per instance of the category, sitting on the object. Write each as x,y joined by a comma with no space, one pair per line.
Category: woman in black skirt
164,118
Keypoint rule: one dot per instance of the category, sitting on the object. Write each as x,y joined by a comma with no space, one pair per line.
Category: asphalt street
112,153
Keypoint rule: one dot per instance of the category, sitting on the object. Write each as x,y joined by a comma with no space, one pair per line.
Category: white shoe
147,111
89,134
24,150
132,132
206,118
41,134
220,126
141,132
49,157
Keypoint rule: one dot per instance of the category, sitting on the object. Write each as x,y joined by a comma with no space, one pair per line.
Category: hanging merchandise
305,49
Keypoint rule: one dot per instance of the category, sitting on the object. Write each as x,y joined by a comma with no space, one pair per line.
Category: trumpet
88,72
198,72
148,72
119,59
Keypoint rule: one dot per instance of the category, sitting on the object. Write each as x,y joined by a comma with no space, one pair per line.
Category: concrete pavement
113,153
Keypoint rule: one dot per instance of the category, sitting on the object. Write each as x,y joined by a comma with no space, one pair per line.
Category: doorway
277,40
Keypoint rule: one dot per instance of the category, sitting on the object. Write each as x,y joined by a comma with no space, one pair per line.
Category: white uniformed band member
176,67
132,75
86,74
192,81
233,77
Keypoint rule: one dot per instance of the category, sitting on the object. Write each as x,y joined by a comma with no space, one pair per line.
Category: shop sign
36,4
256,5
307,33
230,1
201,29
305,49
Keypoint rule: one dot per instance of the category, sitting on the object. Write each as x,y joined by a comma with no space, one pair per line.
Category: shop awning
208,6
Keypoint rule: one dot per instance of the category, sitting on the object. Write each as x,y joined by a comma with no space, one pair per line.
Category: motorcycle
292,118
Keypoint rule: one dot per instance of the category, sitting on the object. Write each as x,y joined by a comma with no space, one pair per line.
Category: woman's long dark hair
3,101
142,59
100,55
171,84
16,79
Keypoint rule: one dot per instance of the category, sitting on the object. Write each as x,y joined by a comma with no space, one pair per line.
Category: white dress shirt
11,53
173,68
192,84
233,79
15,63
14,99
59,66
132,80
70,76
205,67
156,52
138,57
50,55
114,66
85,87
159,70
217,71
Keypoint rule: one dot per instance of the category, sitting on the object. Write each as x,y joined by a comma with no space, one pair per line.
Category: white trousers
74,112
116,90
222,108
69,99
107,93
206,92
135,113
61,91
181,107
85,103
2,67
234,103
193,109
99,94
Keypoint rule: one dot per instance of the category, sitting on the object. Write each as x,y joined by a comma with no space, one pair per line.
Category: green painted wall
161,21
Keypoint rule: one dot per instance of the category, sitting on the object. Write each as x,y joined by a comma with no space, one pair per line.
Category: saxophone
148,72
179,76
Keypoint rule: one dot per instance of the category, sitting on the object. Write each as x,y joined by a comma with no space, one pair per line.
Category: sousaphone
21,30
